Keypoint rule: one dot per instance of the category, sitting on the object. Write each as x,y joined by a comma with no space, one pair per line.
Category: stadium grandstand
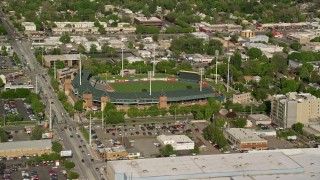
96,92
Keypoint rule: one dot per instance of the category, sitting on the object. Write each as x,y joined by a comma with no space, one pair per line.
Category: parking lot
7,63
16,107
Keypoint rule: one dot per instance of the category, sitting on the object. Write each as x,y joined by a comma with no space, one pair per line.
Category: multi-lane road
22,47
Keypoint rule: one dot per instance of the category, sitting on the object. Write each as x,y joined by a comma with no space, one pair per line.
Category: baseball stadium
185,89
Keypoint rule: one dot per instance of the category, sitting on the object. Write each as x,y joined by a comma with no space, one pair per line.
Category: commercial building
178,142
69,60
259,38
148,21
259,119
247,33
113,153
265,48
293,107
29,26
241,98
266,165
75,28
66,73
25,148
245,139
206,27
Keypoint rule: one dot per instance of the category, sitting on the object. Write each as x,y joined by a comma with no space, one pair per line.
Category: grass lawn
116,77
156,86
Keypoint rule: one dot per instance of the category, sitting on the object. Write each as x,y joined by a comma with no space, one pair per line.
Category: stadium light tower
122,62
228,78
90,128
154,59
217,54
201,73
80,73
150,76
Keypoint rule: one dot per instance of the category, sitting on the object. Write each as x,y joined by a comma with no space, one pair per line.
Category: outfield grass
156,86
137,76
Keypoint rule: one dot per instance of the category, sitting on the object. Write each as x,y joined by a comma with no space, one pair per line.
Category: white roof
175,138
192,167
62,57
17,145
259,117
244,135
147,19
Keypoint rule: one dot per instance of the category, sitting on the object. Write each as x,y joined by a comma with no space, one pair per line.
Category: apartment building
241,98
148,21
293,107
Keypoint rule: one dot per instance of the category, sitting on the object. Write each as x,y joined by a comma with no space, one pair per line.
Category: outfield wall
143,79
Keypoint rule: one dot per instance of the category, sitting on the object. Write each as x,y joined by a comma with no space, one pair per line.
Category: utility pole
50,115
102,119
201,73
36,84
90,133
55,70
150,75
122,62
175,114
228,78
42,59
217,54
154,59
80,73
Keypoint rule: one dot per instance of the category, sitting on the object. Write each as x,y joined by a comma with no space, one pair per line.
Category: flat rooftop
259,117
205,166
148,19
17,145
244,135
175,138
62,57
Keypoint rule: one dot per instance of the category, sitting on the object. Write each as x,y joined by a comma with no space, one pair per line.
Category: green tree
3,135
65,38
174,109
185,66
236,60
215,134
78,106
240,123
133,112
131,45
219,122
298,127
56,147
37,133
153,111
167,150
93,48
296,46
69,164
254,53
81,49
60,64
73,175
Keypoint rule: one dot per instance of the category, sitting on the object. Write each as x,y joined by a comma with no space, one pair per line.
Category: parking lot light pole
90,131
50,116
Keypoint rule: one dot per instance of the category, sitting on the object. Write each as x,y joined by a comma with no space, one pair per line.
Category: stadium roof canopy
130,97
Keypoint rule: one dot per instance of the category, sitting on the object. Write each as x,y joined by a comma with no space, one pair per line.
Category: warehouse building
293,164
178,142
25,148
245,139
